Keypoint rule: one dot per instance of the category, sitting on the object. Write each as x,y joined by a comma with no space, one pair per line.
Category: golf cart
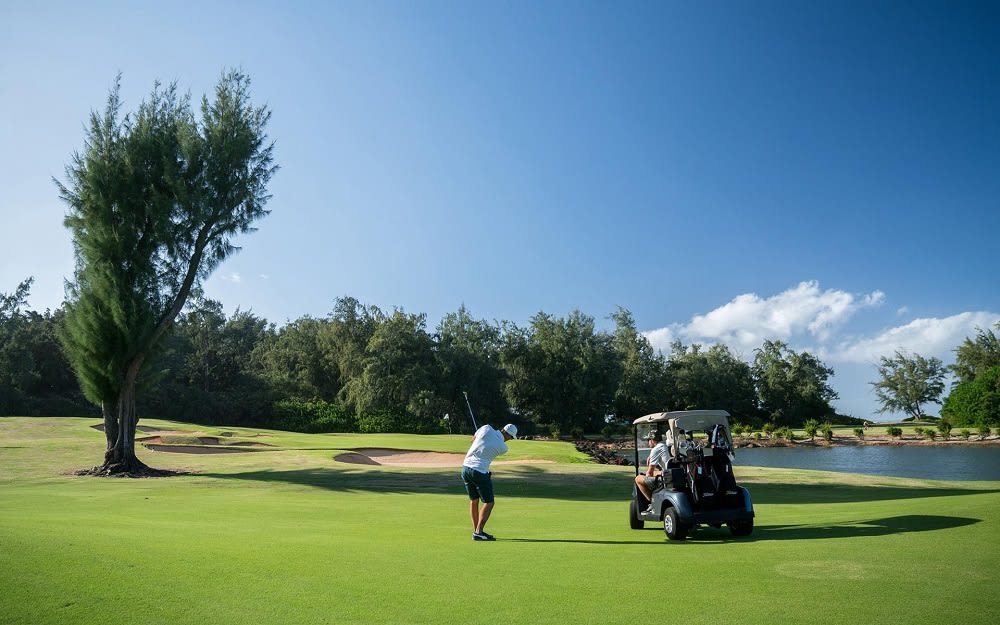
697,486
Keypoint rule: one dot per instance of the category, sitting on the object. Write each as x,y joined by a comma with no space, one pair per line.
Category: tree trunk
110,426
119,429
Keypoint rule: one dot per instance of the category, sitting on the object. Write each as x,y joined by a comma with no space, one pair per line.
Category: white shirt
487,445
659,455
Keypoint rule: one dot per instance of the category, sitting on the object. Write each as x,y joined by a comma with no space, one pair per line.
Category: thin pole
474,426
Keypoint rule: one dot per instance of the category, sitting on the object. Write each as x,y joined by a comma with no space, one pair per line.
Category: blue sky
824,173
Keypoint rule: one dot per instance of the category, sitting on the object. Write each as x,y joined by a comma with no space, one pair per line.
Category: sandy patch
354,458
142,428
196,449
180,438
408,458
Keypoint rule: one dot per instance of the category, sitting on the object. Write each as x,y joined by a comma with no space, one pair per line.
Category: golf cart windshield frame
687,420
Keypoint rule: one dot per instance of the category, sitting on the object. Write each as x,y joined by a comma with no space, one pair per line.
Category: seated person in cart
657,462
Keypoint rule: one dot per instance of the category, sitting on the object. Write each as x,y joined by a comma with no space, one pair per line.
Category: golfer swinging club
487,444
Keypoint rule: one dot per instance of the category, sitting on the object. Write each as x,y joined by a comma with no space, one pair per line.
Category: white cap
511,429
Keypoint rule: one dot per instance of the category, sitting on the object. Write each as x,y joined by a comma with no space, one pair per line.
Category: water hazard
958,462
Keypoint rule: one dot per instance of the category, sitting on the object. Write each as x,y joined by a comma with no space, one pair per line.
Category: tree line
362,369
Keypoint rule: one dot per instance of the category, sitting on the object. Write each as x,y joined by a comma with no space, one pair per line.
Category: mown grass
290,536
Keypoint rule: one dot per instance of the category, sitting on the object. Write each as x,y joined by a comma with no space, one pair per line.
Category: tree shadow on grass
577,487
876,527
903,524
549,483
785,493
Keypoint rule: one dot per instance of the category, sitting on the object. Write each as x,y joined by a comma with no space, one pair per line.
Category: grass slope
290,536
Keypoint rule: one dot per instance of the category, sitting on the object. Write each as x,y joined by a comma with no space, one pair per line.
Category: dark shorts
652,483
478,485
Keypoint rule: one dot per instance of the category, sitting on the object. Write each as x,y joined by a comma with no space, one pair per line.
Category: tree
643,371
561,373
791,386
973,357
344,340
207,370
700,379
907,382
468,356
154,202
296,365
399,377
976,402
16,362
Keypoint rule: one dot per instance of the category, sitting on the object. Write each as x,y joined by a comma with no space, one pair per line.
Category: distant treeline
363,369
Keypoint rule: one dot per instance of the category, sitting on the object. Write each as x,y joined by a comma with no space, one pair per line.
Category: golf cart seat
674,475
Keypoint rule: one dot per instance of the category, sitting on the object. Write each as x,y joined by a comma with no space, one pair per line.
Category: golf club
474,426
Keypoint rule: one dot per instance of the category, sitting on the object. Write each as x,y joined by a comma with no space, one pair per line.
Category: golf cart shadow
857,529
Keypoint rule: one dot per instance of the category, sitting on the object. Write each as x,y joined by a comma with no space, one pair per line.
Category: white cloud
927,337
813,320
232,277
661,338
749,319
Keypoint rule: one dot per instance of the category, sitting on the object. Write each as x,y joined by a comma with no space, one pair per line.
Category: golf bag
719,465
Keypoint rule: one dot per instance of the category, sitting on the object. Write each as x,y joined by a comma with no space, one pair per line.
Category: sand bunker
142,428
180,442
195,449
180,438
409,458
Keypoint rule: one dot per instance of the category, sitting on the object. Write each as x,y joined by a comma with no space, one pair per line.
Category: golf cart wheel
633,517
674,529
741,528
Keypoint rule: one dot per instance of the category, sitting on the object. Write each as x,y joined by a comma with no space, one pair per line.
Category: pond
958,462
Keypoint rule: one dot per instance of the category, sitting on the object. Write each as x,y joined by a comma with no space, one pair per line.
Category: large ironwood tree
155,199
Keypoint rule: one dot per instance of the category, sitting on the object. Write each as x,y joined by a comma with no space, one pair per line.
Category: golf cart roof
687,419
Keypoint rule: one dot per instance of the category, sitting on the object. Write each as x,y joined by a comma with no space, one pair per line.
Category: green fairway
289,535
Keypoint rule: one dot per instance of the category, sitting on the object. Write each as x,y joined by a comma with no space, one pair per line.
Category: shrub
312,417
811,427
576,432
965,434
827,431
555,431
931,434
860,433
768,429
738,429
757,436
944,426
385,421
984,430
919,431
894,431
379,422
